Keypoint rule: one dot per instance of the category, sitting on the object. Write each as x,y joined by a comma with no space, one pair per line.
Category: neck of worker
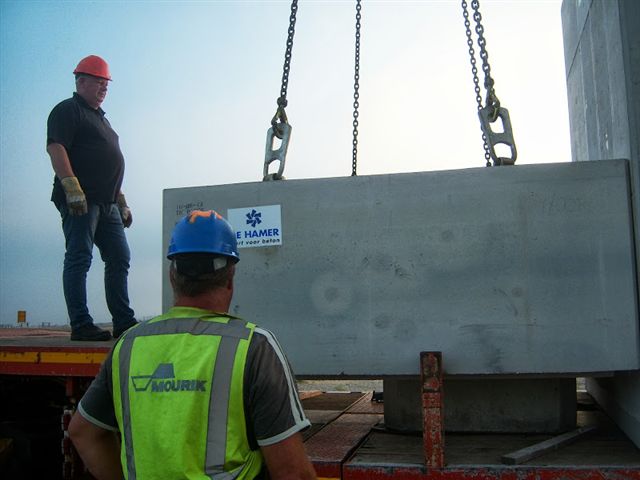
217,300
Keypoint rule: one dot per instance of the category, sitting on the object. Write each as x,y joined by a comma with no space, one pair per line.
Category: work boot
117,331
90,332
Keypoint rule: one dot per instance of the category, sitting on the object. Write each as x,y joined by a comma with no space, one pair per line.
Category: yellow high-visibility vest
177,390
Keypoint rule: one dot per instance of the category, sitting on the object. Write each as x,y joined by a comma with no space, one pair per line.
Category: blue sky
194,90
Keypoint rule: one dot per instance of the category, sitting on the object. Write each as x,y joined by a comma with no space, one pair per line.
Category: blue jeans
102,226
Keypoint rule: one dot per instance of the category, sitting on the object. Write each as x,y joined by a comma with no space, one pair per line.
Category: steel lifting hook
281,131
489,115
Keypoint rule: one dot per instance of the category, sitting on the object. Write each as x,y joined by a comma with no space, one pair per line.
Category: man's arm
76,200
98,448
275,412
287,460
60,160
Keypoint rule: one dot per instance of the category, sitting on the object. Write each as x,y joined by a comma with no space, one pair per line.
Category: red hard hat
93,65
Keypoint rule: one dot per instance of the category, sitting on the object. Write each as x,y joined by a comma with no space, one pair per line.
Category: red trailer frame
334,445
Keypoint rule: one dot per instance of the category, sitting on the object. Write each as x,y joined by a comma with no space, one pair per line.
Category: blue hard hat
203,232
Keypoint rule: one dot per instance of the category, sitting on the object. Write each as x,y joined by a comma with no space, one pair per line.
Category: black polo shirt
92,146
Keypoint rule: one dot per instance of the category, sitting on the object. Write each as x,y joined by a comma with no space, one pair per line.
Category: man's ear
232,273
172,279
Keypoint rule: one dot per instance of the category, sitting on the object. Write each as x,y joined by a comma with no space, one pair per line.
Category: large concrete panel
602,56
526,269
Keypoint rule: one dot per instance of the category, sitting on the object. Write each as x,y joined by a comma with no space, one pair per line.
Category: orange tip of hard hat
204,214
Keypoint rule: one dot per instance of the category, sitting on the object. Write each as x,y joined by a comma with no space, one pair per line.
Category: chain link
280,127
492,99
282,100
474,71
356,92
491,111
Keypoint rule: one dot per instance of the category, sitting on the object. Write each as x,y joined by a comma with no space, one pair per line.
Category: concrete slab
505,270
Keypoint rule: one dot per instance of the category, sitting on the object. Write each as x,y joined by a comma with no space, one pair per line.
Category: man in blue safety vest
195,393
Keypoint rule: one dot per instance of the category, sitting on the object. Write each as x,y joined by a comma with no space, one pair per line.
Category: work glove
125,211
76,201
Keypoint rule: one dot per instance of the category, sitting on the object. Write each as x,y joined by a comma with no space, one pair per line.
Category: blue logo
164,380
254,218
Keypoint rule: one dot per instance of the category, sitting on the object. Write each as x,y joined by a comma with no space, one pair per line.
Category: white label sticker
256,226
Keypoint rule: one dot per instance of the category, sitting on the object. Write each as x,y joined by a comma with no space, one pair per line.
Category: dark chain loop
474,69
282,100
492,99
280,127
356,92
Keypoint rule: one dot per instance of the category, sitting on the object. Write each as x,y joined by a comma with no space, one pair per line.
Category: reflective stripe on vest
230,335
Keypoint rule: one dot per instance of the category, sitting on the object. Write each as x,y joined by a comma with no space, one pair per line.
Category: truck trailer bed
348,438
351,442
49,351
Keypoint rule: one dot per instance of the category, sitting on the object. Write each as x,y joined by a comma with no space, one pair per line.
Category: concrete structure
478,404
505,270
602,57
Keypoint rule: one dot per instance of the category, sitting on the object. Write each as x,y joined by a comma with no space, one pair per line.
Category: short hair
80,75
193,275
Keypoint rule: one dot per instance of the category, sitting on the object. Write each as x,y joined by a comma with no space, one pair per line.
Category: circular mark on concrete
331,294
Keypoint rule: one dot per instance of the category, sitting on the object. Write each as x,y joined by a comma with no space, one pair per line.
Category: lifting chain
492,110
356,92
280,127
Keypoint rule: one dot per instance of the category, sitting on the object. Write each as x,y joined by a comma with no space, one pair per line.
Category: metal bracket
488,116
281,131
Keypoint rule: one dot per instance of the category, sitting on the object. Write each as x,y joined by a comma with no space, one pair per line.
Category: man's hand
125,211
76,201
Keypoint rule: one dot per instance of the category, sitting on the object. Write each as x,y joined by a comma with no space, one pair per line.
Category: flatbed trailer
43,374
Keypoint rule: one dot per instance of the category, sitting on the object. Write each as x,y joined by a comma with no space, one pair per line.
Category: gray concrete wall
602,57
620,397
480,404
504,270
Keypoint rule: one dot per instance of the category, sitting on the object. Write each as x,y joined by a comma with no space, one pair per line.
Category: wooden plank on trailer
332,401
533,451
332,445
389,448
45,337
322,417
366,405
309,394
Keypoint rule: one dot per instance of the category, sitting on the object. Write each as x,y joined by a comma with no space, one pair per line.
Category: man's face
93,89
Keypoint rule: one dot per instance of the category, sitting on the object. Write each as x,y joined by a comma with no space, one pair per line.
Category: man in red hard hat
89,169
